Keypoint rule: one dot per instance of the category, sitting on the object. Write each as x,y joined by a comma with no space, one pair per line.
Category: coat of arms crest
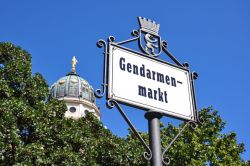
150,41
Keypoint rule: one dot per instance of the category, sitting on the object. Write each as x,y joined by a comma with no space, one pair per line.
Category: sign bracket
99,93
166,160
111,103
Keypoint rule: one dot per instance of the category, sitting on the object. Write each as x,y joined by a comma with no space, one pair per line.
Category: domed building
77,94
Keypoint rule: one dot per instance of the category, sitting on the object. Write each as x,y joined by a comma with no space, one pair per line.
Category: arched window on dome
73,88
85,93
60,90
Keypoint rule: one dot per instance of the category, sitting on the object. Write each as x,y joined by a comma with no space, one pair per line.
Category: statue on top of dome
74,62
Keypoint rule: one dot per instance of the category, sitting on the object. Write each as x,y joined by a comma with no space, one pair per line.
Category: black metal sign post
154,137
151,47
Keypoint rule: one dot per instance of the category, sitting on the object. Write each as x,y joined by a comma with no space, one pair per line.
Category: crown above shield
149,25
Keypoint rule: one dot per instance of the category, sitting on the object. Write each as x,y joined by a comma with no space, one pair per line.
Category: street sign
149,83
138,78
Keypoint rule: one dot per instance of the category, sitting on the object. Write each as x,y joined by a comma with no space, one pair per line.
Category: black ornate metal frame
99,93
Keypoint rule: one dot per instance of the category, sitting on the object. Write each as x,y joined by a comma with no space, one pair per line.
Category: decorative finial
74,62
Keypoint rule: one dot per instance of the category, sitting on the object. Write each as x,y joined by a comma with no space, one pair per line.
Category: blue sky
213,36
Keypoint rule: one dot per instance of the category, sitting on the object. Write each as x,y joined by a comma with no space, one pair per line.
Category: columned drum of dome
77,94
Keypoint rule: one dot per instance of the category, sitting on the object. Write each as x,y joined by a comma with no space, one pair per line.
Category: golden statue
74,62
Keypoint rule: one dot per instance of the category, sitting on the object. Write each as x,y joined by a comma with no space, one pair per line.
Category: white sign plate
149,83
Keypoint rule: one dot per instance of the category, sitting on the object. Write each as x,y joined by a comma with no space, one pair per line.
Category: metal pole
154,137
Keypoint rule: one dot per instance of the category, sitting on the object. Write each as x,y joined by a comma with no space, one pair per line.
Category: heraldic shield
150,41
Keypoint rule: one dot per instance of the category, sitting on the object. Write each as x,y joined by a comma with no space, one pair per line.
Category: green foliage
33,131
204,145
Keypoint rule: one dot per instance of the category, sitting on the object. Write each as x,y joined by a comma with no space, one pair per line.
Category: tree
33,130
204,145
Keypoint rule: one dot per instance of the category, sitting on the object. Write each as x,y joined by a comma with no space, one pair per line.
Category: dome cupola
77,93
72,85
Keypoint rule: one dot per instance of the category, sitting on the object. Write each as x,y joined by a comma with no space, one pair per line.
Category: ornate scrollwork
193,125
147,155
111,39
194,75
110,103
99,93
100,43
135,33
186,65
166,160
164,44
